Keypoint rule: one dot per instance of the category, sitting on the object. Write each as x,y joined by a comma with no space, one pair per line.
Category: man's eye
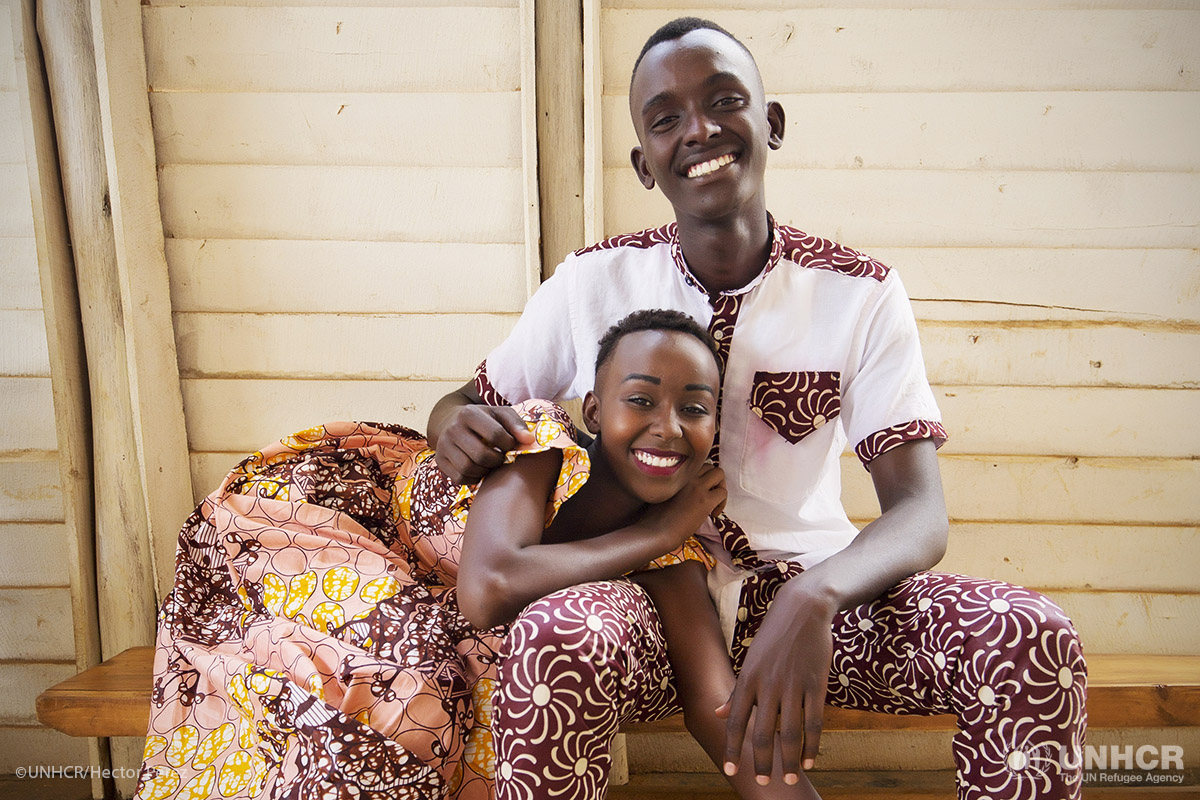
728,101
662,122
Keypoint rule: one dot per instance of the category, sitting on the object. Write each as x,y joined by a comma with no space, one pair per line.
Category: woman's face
655,410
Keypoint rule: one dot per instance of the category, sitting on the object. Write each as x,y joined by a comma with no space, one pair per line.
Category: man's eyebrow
653,101
637,376
721,77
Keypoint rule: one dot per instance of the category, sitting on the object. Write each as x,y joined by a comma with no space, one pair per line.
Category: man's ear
591,411
638,158
776,120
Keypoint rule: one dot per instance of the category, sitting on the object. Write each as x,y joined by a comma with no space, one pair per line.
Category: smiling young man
820,350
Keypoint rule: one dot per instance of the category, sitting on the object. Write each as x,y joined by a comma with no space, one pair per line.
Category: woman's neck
601,505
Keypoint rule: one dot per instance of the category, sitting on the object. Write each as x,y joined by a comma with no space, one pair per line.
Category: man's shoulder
641,240
814,252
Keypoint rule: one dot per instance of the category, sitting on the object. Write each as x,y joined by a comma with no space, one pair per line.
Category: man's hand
474,439
783,682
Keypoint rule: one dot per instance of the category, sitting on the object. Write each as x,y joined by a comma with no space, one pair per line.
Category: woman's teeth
696,170
656,461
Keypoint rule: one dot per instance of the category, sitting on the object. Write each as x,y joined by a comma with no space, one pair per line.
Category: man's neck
726,254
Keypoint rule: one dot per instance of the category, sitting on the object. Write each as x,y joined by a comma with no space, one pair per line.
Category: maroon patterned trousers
1005,660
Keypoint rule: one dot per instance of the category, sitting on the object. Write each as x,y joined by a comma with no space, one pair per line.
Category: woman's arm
505,566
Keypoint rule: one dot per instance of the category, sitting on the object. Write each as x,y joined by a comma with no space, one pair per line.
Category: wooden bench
1124,691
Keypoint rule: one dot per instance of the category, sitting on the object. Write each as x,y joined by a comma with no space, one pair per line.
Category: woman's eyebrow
637,376
701,387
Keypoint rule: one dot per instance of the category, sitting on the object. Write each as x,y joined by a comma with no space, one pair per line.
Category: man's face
703,124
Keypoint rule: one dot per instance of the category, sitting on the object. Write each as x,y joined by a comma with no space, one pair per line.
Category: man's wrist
807,595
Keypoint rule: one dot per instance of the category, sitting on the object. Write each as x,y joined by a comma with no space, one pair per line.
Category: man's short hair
654,319
678,28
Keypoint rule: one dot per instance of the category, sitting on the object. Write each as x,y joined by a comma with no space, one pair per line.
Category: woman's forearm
495,592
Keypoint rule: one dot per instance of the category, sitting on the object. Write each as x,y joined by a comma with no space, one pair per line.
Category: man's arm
471,437
787,667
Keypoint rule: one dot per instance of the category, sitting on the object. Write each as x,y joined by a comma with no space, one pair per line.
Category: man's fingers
737,718
814,709
765,717
513,424
791,735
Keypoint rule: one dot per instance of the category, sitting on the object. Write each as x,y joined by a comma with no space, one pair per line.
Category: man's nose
701,128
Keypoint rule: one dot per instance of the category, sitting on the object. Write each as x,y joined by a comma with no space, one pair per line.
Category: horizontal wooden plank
241,415
233,415
1114,131
29,489
413,346
19,287
20,684
1130,492
27,408
1073,422
379,347
16,215
12,142
1122,491
338,128
1033,354
364,203
111,698
23,344
33,747
932,208
240,49
1119,622
365,277
35,624
1077,557
33,554
855,49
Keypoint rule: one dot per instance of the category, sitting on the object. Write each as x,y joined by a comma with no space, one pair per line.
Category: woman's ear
591,413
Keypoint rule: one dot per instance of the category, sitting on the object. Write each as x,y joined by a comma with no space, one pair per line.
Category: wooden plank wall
37,641
1034,175
349,198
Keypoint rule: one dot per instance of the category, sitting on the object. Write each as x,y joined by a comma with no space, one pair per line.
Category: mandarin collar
691,280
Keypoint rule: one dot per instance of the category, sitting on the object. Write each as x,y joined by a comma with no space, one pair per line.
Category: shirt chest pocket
787,441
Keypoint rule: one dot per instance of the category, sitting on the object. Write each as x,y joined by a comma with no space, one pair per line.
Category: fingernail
762,780
730,768
791,779
809,763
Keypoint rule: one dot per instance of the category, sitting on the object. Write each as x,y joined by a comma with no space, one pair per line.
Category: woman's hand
682,515
783,682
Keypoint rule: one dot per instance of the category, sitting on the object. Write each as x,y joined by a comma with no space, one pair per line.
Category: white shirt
821,349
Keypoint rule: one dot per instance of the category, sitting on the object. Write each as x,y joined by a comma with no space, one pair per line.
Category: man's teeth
710,166
656,461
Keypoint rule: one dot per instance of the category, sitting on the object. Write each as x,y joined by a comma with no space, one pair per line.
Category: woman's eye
638,401
696,410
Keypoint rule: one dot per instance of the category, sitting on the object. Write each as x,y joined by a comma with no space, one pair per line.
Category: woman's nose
666,425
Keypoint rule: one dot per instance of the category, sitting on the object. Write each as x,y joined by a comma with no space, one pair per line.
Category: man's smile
710,166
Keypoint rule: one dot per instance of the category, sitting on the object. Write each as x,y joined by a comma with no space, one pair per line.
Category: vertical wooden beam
593,148
529,145
157,399
64,339
123,559
560,129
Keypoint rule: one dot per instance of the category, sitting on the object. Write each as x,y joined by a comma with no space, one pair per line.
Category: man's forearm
909,535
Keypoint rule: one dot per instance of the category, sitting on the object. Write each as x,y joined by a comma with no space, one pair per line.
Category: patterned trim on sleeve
552,429
881,441
813,252
484,387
